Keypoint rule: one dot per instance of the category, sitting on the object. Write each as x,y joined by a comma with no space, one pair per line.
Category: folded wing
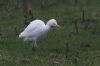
32,27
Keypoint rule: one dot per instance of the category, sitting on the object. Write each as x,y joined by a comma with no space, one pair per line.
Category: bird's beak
58,26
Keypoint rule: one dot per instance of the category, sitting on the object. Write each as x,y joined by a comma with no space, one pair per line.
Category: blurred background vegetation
76,44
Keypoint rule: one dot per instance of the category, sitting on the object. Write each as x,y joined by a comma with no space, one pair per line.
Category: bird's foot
35,48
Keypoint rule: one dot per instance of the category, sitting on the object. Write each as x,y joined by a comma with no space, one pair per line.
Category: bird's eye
52,26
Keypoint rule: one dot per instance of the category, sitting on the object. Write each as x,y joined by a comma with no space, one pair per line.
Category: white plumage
36,29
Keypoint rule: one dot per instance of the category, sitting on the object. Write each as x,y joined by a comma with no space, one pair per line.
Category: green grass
15,52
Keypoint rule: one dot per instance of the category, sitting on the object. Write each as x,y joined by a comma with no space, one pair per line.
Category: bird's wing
33,25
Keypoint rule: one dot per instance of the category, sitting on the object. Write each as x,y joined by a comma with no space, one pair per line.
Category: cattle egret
36,29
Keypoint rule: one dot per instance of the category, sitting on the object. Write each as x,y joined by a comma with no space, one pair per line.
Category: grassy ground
15,52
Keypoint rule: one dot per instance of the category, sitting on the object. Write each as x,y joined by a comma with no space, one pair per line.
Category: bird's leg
34,45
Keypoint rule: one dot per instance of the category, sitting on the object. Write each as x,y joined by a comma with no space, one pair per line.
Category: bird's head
53,23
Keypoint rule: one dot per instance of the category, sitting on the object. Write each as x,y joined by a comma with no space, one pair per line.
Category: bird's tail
21,35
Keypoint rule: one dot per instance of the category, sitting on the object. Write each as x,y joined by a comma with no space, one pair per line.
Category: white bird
36,29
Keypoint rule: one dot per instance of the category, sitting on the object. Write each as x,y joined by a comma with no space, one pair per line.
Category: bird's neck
48,27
